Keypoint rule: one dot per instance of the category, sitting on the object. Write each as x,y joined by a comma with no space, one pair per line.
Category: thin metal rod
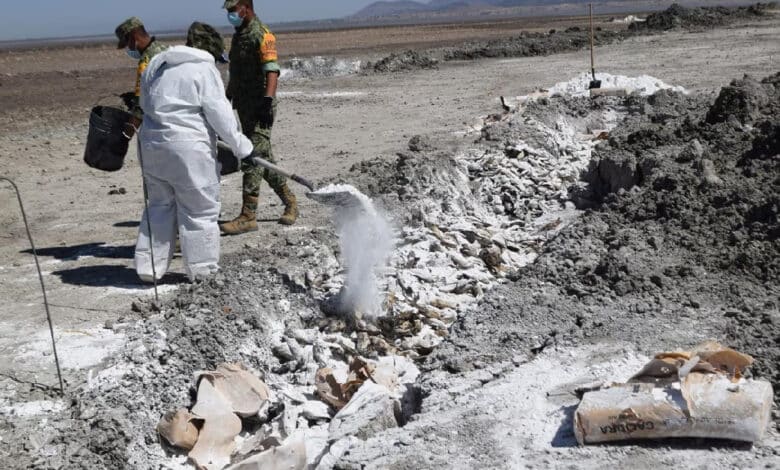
40,278
148,221
87,309
592,62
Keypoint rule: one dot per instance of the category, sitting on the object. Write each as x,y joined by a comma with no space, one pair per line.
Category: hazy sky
58,18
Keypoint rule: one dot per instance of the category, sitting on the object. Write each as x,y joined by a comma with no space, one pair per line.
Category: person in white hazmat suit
185,109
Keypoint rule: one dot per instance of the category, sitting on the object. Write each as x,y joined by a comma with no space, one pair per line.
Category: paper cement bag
700,405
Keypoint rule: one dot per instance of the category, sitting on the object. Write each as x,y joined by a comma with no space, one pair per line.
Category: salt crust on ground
643,84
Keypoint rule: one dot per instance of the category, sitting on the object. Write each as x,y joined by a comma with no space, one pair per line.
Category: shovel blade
335,198
594,84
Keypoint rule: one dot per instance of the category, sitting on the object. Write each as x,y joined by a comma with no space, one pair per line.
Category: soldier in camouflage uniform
254,71
133,36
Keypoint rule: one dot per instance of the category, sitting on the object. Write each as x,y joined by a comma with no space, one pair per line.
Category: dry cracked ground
603,274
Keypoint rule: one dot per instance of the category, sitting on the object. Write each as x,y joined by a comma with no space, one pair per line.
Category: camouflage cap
230,4
205,37
124,29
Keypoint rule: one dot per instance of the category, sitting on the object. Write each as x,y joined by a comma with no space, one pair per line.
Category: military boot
246,222
290,205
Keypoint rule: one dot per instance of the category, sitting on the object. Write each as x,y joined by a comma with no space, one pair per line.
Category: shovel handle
303,181
298,179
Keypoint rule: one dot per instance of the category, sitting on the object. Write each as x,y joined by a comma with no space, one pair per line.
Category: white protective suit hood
177,55
183,99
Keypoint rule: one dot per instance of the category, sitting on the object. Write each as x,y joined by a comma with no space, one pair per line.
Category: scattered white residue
32,408
65,225
77,349
365,238
176,462
250,349
643,84
275,328
531,403
139,289
318,66
30,279
108,377
629,19
324,94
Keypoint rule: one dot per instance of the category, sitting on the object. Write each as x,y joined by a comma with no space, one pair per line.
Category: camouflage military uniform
252,56
151,50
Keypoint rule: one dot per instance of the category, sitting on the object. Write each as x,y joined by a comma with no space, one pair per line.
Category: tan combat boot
246,222
290,205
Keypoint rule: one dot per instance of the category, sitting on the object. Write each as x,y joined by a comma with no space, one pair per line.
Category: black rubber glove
130,100
266,112
248,161
128,131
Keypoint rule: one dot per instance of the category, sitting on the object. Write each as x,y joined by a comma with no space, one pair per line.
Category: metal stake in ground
40,278
594,83
148,222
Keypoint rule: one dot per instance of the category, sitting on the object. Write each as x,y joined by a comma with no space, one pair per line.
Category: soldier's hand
248,161
131,127
266,112
129,131
129,100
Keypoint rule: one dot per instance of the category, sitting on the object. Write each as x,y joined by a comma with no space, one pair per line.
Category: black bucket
228,163
106,146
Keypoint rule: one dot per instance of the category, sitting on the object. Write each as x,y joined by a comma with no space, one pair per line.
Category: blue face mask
234,18
134,54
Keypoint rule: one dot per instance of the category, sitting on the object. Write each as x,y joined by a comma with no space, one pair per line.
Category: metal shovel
330,198
298,179
593,83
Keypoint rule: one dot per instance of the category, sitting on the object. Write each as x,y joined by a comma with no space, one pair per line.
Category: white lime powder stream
365,239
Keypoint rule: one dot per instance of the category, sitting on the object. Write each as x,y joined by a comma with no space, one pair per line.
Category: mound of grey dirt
680,17
571,39
533,44
407,60
679,242
110,421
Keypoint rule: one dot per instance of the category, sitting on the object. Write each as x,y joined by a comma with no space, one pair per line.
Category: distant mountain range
406,7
